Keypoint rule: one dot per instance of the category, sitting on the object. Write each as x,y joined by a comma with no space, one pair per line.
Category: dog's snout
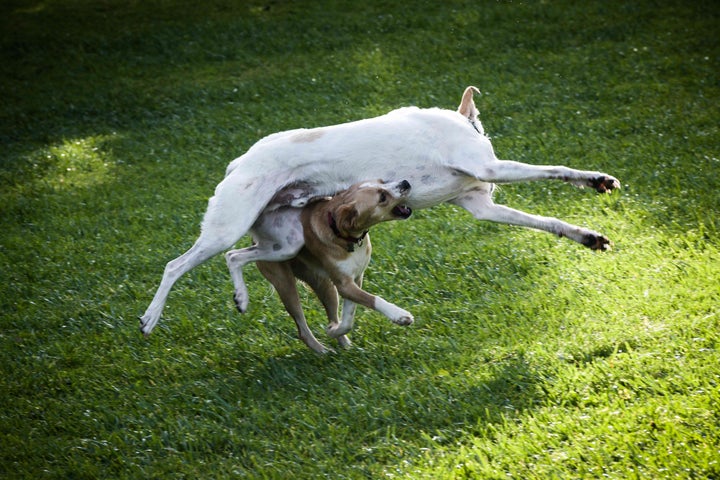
404,186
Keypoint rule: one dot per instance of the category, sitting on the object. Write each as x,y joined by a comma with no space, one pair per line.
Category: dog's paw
142,327
146,325
323,350
336,331
313,344
344,341
595,241
241,301
604,183
319,348
404,319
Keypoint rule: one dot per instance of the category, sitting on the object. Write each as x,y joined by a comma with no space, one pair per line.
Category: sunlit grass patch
78,163
70,164
530,357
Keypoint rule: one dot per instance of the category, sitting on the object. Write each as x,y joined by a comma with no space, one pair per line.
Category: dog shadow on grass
369,394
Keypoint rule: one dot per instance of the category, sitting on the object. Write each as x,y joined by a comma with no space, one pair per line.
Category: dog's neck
351,241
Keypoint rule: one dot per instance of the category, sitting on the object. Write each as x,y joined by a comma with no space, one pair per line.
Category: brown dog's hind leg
281,276
326,293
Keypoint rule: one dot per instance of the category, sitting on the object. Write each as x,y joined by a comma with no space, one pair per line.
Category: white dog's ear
468,110
467,105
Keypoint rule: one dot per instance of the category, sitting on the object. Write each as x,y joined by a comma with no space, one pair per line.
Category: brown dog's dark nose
404,186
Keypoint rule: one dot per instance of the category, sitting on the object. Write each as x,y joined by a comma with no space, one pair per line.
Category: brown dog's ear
346,217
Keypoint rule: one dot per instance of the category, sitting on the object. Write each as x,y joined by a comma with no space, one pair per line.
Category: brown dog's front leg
348,289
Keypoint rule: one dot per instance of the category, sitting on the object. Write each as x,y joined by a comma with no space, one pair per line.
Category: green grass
530,357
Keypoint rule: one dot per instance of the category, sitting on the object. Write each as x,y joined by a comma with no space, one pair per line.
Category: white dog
444,154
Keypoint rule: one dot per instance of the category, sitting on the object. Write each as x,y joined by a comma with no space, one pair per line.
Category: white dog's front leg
482,207
508,171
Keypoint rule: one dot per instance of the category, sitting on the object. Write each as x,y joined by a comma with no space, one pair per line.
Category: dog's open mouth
402,211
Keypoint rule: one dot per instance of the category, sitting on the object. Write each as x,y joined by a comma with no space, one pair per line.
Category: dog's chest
355,262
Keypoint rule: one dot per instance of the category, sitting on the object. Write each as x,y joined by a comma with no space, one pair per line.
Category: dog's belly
434,185
430,186
420,146
282,224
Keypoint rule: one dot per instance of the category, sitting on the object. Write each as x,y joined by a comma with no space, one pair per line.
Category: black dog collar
352,241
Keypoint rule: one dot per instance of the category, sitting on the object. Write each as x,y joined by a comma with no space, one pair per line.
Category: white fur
393,312
283,224
442,153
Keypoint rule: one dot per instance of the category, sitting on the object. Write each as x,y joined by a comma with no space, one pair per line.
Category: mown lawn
531,357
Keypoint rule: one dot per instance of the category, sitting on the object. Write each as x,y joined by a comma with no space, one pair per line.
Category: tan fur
326,263
467,105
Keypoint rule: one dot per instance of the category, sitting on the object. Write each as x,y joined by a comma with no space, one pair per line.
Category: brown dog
336,253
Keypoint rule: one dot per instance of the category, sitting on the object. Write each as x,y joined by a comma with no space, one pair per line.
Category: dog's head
368,203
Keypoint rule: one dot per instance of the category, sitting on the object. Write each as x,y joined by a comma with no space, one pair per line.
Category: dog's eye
383,197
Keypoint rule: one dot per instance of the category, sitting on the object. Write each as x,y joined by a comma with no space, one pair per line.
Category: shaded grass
530,357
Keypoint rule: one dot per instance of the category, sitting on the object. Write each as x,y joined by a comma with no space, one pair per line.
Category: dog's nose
404,186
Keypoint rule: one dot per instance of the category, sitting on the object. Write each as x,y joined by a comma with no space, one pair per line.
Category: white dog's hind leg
229,215
203,249
237,259
481,206
278,236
